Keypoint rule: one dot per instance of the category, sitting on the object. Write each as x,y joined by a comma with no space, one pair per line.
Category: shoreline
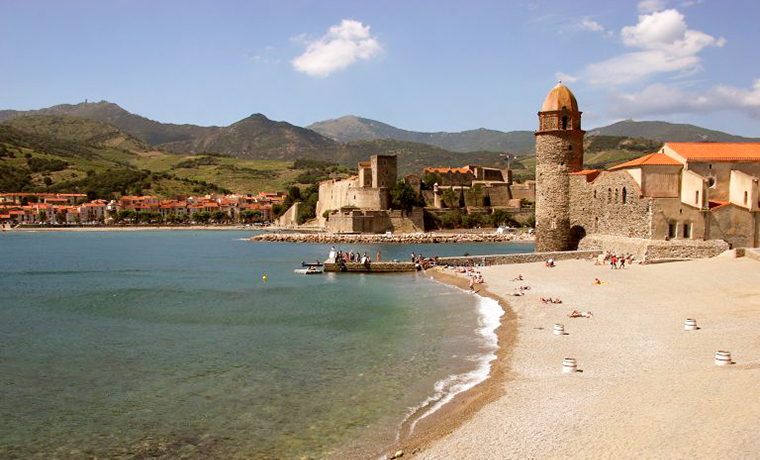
455,412
136,228
401,238
646,388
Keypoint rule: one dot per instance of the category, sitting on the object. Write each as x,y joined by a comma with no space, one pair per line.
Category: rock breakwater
400,238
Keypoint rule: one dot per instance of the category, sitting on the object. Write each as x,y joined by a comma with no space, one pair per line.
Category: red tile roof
653,159
448,170
715,204
708,151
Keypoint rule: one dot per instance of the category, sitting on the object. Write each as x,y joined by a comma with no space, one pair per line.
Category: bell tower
559,152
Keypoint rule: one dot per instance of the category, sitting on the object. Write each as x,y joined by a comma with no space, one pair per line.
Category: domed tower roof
559,98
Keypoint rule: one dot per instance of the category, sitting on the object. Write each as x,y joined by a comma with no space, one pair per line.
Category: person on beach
613,261
332,253
518,278
472,284
414,259
550,263
580,314
377,259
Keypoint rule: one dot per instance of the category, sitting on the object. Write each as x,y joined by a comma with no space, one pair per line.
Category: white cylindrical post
569,365
559,329
690,324
722,358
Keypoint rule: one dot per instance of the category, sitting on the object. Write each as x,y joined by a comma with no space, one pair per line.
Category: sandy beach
646,388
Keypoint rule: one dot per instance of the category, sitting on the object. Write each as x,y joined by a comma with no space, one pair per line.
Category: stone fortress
361,204
686,200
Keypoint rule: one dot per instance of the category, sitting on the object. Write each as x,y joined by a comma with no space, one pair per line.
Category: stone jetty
342,238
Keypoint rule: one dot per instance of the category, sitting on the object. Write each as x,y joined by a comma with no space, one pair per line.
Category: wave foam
489,315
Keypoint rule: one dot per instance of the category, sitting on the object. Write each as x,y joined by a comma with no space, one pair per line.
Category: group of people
351,256
423,263
616,261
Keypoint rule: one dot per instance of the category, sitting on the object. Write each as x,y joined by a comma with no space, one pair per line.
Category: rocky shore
336,238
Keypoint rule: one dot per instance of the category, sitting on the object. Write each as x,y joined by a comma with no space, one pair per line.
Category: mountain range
350,139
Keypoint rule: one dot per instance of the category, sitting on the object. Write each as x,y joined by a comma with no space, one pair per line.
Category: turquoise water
169,345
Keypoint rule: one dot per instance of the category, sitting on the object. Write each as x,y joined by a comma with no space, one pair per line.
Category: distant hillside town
73,208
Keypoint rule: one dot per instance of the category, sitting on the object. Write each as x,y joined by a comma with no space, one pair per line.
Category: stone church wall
600,207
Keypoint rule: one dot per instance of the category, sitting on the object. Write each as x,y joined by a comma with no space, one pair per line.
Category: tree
403,196
450,198
219,216
249,215
202,216
48,181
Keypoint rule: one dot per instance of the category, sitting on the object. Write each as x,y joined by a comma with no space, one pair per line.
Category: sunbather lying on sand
598,282
518,278
517,293
580,314
550,300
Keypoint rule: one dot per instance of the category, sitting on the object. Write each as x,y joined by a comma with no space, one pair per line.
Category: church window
609,195
617,195
569,147
711,182
746,195
696,197
564,122
594,193
625,197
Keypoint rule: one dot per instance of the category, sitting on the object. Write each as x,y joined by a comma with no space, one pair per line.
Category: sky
420,65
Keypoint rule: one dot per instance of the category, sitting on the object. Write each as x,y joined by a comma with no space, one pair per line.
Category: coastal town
75,209
489,268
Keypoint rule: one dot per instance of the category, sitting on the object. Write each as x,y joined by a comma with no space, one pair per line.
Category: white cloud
666,45
341,46
562,76
588,24
662,99
651,6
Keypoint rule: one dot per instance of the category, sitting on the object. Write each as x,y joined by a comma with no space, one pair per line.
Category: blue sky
420,65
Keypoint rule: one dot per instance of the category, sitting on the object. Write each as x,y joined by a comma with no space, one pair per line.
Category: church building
685,200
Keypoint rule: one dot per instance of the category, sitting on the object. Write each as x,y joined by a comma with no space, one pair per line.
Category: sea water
172,345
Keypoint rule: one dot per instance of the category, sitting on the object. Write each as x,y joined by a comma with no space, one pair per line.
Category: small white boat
308,271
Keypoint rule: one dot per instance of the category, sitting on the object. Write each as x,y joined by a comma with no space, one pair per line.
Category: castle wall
335,195
376,221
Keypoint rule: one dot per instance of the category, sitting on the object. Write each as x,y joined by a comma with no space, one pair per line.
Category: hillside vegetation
68,154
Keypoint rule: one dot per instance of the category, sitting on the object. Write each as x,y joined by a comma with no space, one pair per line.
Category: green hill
58,153
667,132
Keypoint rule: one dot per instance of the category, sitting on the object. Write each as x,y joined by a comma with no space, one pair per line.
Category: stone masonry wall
558,153
648,250
506,259
599,206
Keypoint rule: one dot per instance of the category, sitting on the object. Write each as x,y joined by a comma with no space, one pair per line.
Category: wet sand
648,388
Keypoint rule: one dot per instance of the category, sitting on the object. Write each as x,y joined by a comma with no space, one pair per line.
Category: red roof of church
709,151
653,159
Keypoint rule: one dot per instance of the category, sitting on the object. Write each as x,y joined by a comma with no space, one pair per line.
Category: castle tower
559,152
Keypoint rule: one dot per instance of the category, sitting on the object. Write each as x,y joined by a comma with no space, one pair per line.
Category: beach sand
648,388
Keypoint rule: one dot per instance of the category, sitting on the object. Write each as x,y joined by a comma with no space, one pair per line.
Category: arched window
594,193
625,196
617,195
696,197
564,122
609,195
746,195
